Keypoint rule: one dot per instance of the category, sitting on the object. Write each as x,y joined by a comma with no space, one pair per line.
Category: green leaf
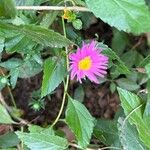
127,84
7,9
129,136
43,36
119,41
112,87
38,129
49,18
54,73
18,43
23,69
9,140
14,73
106,131
119,64
11,63
145,61
79,2
5,117
2,40
29,68
131,61
132,103
80,121
147,107
129,16
147,67
3,82
79,93
39,141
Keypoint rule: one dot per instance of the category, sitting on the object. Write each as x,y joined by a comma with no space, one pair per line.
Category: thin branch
75,8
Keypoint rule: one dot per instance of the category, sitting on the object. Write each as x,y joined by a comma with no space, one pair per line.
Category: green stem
67,80
9,90
11,96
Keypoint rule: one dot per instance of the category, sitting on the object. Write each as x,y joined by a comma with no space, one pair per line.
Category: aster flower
88,62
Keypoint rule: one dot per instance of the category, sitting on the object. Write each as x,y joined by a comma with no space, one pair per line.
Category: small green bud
36,106
77,24
3,80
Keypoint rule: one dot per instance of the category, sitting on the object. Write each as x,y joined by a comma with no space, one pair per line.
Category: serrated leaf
119,64
4,116
45,37
41,141
9,140
24,69
7,9
130,16
18,43
106,131
129,136
130,102
11,63
127,84
80,121
54,73
29,69
38,129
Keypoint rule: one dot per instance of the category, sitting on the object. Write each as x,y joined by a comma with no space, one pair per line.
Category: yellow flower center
85,64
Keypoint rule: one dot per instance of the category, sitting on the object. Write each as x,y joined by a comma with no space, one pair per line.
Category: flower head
88,62
69,15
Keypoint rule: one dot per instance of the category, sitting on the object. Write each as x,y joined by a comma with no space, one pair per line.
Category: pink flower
88,62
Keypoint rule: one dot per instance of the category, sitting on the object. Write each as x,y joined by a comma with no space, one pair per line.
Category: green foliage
129,16
133,108
145,61
119,41
9,140
129,136
54,73
127,84
7,9
38,141
106,131
119,64
5,117
79,93
28,33
80,121
31,43
147,67
21,68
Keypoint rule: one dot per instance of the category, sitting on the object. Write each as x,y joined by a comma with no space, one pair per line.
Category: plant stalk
67,80
59,8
